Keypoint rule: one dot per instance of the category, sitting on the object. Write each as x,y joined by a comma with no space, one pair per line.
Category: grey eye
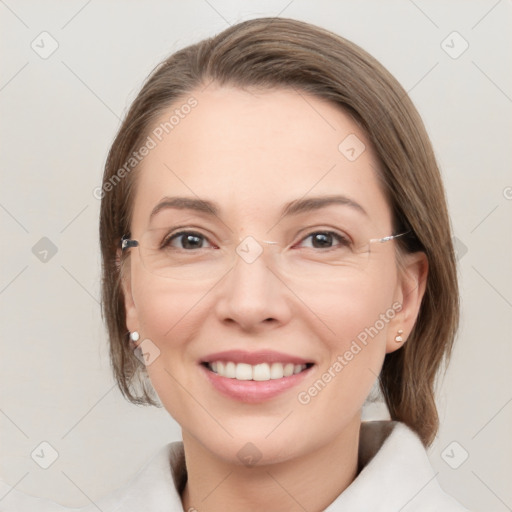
187,240
325,239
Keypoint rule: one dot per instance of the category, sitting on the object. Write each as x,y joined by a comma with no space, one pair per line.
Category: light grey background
58,117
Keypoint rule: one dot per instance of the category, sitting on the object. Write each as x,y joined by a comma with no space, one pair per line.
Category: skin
252,152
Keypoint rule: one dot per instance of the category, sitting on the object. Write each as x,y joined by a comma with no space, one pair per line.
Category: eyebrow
292,208
316,203
186,203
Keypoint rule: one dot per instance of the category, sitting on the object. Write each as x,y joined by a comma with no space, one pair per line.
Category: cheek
169,317
348,308
354,348
164,309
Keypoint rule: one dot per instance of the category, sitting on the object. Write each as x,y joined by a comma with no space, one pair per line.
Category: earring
134,336
398,337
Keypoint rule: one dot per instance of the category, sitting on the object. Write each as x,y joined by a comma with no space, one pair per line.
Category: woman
275,239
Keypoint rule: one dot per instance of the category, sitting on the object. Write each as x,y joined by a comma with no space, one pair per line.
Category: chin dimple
257,372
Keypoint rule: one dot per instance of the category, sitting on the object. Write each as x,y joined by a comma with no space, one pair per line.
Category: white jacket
396,477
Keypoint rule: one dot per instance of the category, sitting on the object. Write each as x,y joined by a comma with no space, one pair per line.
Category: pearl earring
398,337
134,336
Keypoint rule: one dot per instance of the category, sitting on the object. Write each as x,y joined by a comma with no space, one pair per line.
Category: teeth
261,372
243,371
288,369
230,370
258,372
276,371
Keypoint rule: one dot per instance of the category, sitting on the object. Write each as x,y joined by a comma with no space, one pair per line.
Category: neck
309,482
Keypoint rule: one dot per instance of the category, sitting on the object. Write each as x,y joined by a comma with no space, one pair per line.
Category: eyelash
342,240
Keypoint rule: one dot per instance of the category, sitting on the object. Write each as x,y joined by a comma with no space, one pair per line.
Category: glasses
189,255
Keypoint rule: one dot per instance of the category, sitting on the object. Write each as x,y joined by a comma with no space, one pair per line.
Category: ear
412,282
132,321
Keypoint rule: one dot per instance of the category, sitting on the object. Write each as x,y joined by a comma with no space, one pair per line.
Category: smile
254,377
258,372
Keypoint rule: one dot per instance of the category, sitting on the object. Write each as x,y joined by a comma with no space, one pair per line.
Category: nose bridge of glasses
249,249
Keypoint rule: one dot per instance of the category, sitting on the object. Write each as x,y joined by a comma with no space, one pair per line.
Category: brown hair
279,52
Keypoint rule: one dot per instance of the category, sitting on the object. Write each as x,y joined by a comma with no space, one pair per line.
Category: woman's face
308,304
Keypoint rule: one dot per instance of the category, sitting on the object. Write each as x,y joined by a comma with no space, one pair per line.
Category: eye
186,240
325,240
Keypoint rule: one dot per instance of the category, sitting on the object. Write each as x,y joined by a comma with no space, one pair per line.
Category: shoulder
396,474
418,476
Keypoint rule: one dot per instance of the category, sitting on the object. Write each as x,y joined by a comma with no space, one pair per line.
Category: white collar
396,476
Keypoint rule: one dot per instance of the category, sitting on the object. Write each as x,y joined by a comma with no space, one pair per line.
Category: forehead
251,151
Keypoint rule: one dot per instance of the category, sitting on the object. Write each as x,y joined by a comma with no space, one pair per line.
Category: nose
251,295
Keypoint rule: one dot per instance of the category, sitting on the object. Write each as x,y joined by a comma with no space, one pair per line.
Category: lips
254,376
